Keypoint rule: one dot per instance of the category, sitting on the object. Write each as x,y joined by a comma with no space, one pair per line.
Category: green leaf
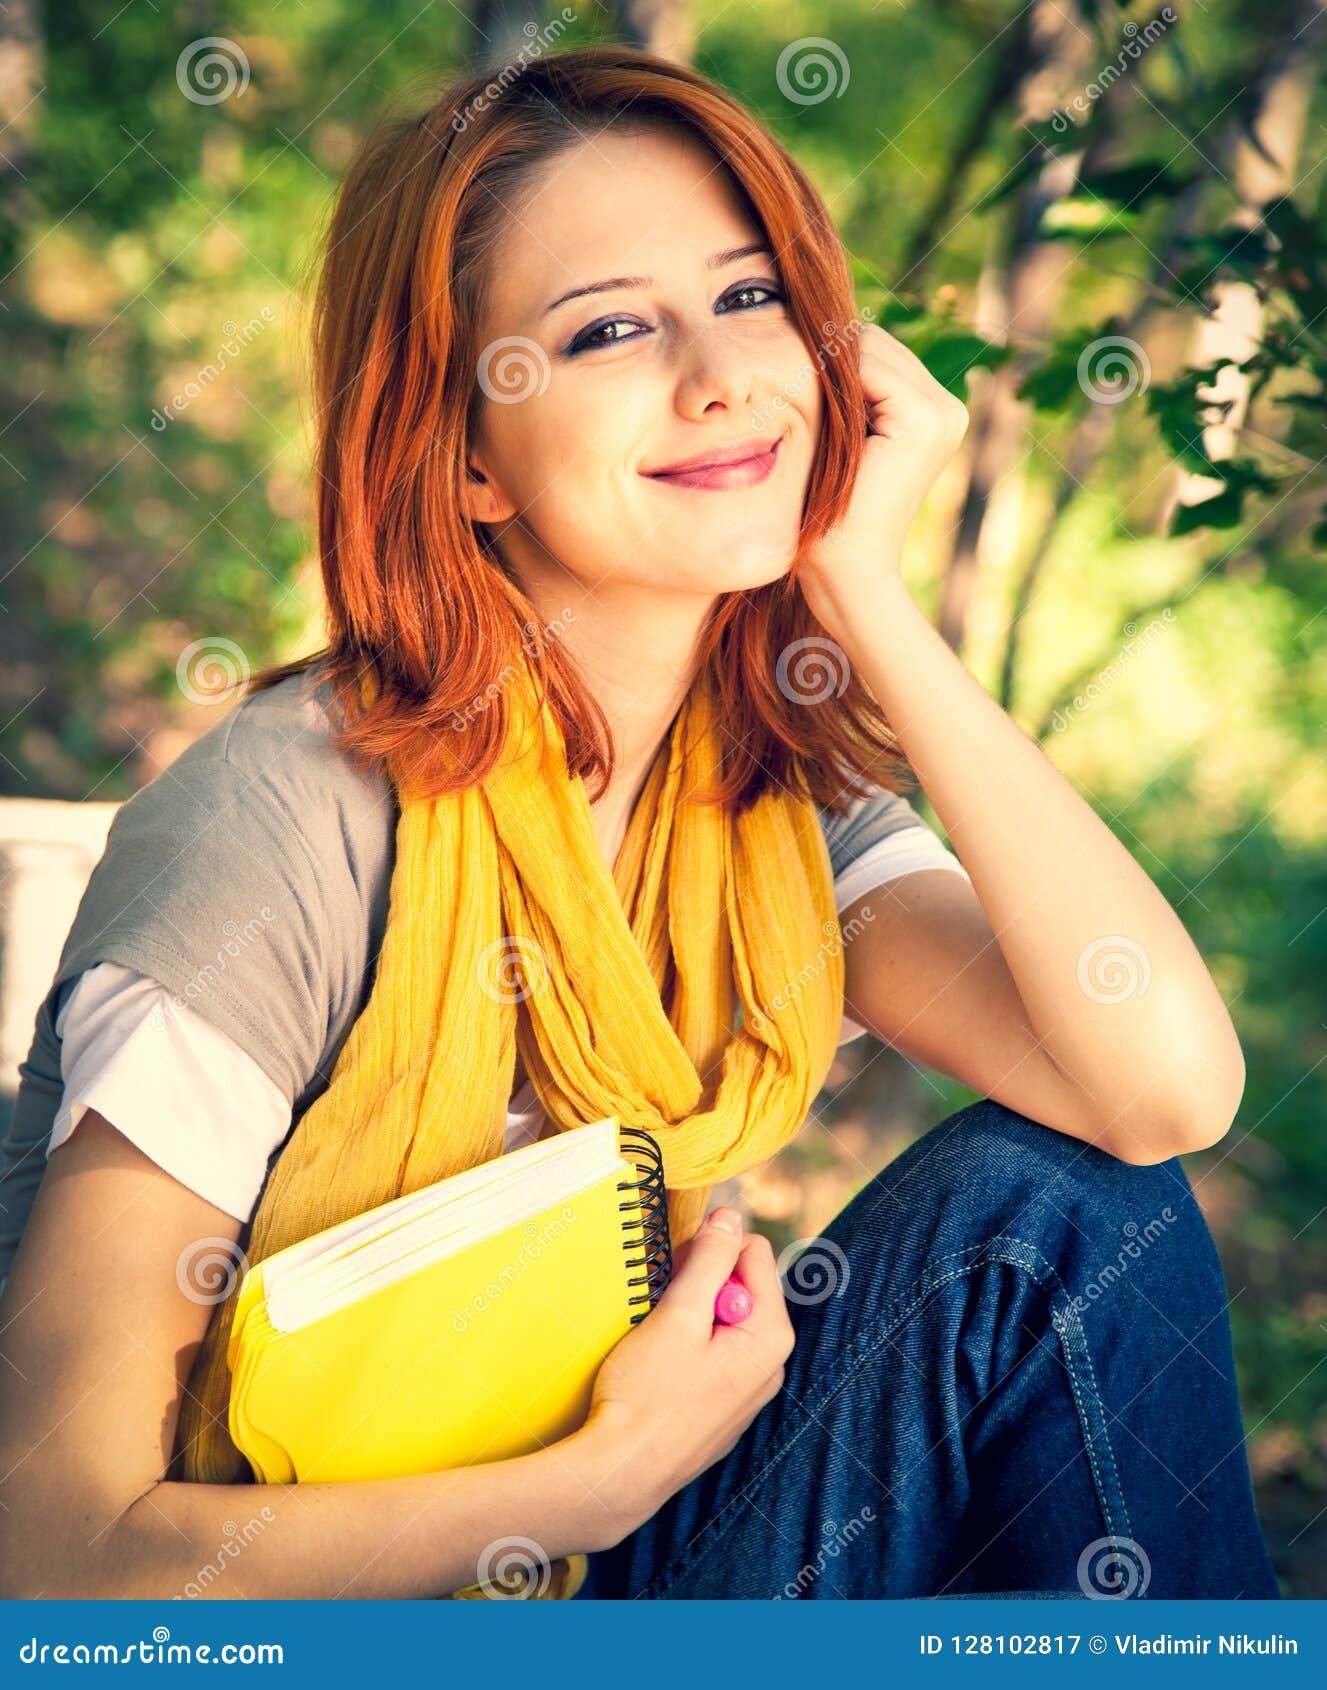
1043,142
1077,218
1132,185
949,359
1223,510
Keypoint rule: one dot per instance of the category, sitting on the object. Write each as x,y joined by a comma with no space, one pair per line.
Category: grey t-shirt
251,879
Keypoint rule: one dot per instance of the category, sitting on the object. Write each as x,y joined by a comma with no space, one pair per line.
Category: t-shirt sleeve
879,838
171,1082
209,886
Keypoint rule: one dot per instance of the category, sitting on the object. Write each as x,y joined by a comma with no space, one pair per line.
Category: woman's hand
678,1391
915,426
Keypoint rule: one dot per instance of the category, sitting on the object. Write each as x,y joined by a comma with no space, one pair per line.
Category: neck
635,650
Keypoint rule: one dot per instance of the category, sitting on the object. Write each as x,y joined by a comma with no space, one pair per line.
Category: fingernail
728,1219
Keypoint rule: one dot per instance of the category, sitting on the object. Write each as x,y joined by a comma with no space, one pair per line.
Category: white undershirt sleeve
171,1082
905,852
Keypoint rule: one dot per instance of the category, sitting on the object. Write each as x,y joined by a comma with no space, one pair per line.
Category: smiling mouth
746,472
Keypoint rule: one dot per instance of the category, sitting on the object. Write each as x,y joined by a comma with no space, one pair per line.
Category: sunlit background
1106,226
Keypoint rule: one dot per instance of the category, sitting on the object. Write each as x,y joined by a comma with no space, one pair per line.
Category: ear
481,499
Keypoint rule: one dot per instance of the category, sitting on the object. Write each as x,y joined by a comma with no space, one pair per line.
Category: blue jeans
1012,1374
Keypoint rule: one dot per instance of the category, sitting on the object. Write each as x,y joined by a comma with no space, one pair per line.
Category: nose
714,369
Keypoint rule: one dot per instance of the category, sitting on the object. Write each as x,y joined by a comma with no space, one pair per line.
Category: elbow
1197,1121
44,1546
1162,1121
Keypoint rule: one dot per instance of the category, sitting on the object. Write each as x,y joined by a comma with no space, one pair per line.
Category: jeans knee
988,1142
989,1173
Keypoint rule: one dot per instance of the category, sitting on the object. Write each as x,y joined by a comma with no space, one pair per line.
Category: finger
712,1253
890,369
757,1270
878,342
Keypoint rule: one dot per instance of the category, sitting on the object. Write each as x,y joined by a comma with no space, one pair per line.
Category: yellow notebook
461,1323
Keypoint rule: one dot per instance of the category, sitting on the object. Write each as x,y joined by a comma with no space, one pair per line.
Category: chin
748,561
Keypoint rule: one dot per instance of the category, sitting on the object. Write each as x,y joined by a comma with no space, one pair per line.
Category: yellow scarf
501,893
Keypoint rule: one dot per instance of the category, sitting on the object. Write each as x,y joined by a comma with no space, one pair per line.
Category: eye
767,288
585,340
590,338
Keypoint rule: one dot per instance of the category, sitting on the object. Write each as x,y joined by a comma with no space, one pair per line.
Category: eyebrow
715,262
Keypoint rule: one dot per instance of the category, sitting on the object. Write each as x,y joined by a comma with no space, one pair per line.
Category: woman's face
674,344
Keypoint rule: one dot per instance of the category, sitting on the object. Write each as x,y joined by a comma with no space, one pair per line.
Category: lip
743,465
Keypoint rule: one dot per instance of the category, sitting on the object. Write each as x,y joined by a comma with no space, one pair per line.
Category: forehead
624,202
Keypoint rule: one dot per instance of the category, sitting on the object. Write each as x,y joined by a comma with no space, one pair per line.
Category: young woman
603,442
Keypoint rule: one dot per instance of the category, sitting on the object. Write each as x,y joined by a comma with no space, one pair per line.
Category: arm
99,1339
1061,982
1064,984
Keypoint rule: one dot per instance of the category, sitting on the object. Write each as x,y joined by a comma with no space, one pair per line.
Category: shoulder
266,784
280,743
248,878
864,821
878,837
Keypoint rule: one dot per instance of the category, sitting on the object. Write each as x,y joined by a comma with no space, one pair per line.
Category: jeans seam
906,1305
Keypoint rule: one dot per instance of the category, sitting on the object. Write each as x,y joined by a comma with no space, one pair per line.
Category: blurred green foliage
151,232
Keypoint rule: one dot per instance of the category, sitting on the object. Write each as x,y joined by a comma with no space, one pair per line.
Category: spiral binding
646,1231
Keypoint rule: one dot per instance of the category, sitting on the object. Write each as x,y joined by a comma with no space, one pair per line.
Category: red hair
417,598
